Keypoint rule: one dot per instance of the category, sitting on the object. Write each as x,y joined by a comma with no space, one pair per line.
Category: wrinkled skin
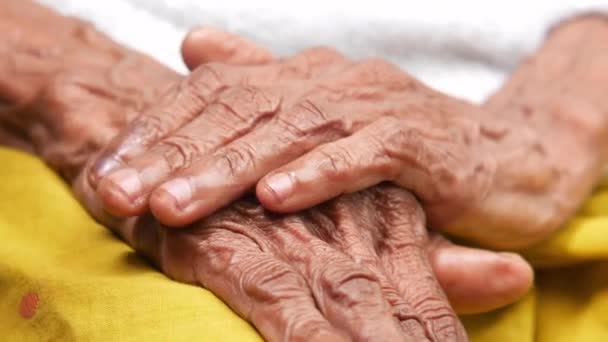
355,268
313,126
381,257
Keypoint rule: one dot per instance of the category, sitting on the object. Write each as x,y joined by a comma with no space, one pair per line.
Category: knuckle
308,118
237,158
217,250
336,164
147,128
269,281
312,111
302,326
180,151
349,286
63,89
441,321
248,103
382,160
195,91
206,79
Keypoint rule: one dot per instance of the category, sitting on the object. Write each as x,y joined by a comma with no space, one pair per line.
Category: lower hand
361,267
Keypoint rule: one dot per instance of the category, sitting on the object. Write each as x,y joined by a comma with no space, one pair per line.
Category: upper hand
308,128
305,129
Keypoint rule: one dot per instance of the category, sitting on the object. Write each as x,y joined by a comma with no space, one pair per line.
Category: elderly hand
355,268
308,128
76,110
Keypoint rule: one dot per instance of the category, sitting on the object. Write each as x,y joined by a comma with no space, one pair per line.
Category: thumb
477,280
206,44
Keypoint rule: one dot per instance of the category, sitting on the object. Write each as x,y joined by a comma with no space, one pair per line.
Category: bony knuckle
307,118
270,281
238,158
336,163
349,286
248,103
312,110
301,328
203,81
441,320
216,250
148,128
179,151
62,89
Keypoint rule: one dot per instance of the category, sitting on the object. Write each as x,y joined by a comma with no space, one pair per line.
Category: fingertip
194,45
167,209
273,192
517,275
479,281
118,191
206,44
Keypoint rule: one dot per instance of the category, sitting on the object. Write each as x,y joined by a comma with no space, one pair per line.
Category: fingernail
128,181
510,256
180,189
281,185
102,168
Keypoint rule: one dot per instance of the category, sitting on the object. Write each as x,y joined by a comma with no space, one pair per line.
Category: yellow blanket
63,277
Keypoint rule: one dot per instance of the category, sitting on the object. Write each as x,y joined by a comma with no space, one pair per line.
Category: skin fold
307,128
360,267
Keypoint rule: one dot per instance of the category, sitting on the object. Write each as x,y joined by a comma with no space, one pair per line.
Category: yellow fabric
63,277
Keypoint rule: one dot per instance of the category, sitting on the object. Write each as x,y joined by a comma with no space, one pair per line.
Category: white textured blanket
464,47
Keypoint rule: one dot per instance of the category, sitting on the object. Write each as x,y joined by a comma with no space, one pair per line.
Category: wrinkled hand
340,126
75,111
354,268
316,125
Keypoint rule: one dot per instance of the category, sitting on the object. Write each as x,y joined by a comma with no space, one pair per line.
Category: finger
343,166
404,259
261,288
230,171
206,44
310,63
477,280
386,150
225,175
237,111
349,295
356,237
180,104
